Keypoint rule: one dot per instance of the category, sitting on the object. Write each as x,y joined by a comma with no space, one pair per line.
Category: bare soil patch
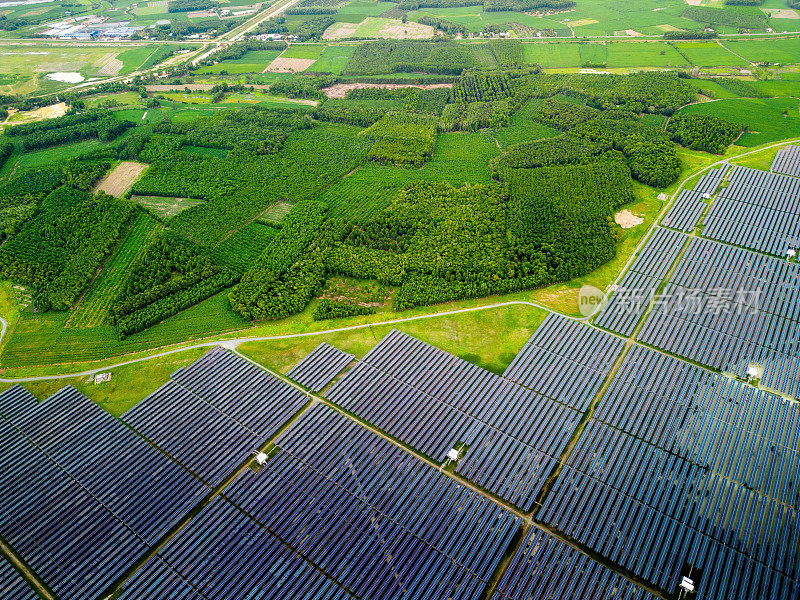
121,179
397,30
38,114
289,65
339,31
626,219
340,90
782,13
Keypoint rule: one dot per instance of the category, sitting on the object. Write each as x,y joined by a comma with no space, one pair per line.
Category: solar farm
649,451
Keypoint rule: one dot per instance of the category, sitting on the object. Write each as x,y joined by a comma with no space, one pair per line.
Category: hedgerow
332,309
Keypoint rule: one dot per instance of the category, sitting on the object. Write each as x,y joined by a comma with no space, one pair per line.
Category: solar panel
510,436
686,211
215,413
758,210
787,161
731,309
545,568
633,295
320,367
337,512
565,360
709,182
12,585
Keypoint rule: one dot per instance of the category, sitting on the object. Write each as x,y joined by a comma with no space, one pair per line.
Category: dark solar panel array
758,210
337,512
685,212
99,493
653,512
545,568
433,401
214,413
787,161
728,308
745,434
633,294
710,181
565,360
12,585
320,367
75,544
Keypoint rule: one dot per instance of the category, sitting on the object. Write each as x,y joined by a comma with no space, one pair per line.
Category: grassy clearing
128,386
165,207
304,51
488,338
333,59
94,307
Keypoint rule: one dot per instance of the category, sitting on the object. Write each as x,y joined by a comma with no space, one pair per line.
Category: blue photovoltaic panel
710,181
545,568
336,512
787,161
758,210
320,367
629,301
12,585
731,308
435,401
72,542
687,210
214,413
565,360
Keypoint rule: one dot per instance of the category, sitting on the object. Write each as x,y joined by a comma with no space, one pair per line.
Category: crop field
356,11
333,59
94,307
769,119
783,51
252,62
708,54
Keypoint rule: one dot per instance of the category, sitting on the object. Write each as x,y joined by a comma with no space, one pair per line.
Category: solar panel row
758,210
744,434
787,161
213,414
678,511
320,367
12,585
686,211
101,495
633,294
337,510
731,309
545,568
434,401
710,181
654,545
75,544
565,360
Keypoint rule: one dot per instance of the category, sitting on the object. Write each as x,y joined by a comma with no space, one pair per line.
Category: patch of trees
69,128
744,2
285,277
6,150
58,251
332,309
408,98
741,87
563,115
690,35
337,110
402,138
443,25
398,56
239,49
174,6
313,28
526,5
171,275
476,115
561,150
703,132
650,154
302,86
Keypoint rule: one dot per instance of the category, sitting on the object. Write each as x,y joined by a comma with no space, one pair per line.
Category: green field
254,61
769,119
708,54
333,59
307,51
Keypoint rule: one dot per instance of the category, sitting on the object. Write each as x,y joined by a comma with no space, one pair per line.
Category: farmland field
769,119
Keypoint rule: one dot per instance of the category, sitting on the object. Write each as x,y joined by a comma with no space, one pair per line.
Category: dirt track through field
121,179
